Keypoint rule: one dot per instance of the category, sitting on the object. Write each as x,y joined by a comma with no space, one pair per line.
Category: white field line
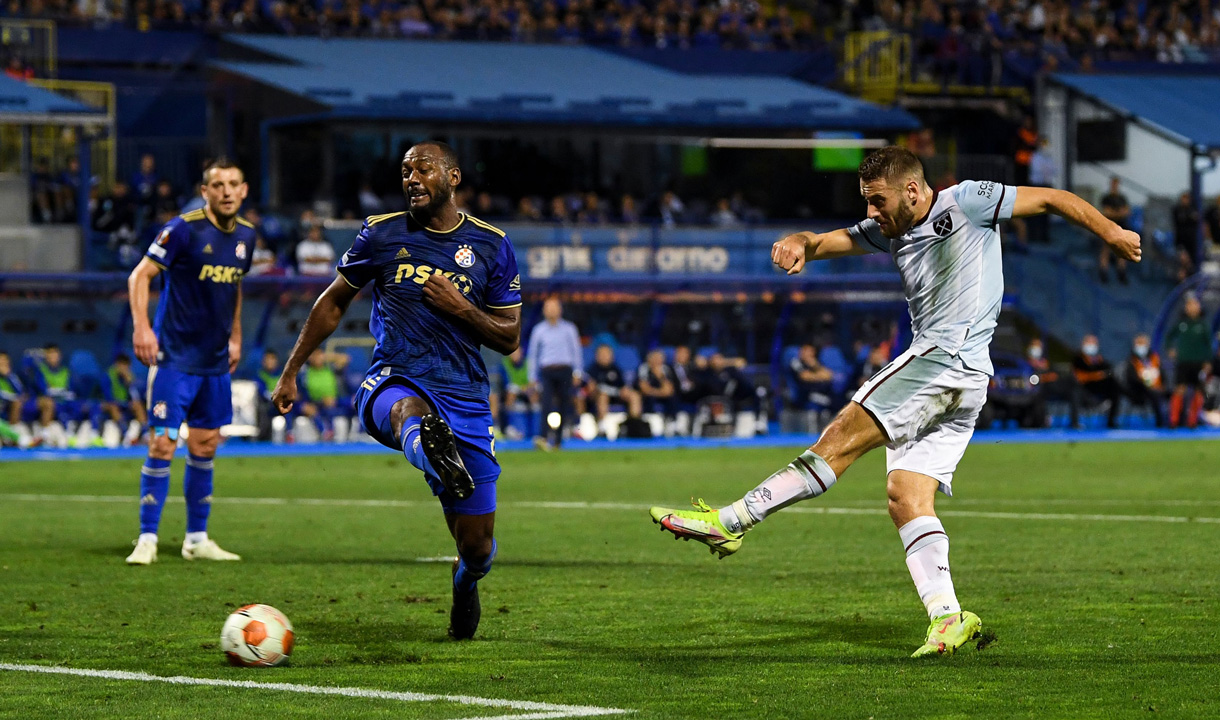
634,507
541,710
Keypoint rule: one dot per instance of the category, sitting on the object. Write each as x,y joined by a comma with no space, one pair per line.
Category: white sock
148,537
805,477
927,548
194,538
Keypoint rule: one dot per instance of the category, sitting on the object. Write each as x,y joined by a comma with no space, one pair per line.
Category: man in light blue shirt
556,364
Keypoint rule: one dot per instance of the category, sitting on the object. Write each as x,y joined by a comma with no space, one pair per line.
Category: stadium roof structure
23,104
367,79
1184,109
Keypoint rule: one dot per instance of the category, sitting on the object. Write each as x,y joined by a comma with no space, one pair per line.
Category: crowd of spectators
951,38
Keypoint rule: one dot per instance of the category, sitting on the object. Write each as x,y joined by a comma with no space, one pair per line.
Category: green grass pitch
1093,615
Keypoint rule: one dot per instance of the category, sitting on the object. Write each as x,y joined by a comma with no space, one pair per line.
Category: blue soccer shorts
174,397
472,426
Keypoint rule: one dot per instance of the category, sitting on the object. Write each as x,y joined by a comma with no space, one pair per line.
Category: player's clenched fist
440,293
285,393
789,253
1126,244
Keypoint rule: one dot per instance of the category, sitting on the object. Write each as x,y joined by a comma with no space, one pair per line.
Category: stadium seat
87,373
832,357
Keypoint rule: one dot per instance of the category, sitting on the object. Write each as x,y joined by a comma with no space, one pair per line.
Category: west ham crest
464,256
943,225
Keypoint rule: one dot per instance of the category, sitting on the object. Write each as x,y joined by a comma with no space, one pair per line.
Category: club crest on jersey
240,251
160,410
943,225
464,256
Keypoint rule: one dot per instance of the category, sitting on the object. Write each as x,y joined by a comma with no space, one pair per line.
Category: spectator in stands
315,256
1051,385
1186,235
629,212
877,357
517,389
321,389
17,69
122,398
812,382
1115,207
528,210
370,204
56,399
670,208
594,211
1145,384
165,203
1190,347
43,193
724,217
556,366
688,376
1211,223
1026,143
12,391
115,215
729,380
606,384
263,262
655,383
559,211
144,188
1094,380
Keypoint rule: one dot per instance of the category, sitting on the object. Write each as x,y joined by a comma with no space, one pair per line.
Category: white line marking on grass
633,507
542,710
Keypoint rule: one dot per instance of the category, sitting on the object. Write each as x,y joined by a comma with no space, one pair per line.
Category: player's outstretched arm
143,339
1069,206
497,328
792,252
323,319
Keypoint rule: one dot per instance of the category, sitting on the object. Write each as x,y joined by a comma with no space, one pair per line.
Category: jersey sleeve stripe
374,219
486,225
349,282
995,218
504,307
154,262
243,221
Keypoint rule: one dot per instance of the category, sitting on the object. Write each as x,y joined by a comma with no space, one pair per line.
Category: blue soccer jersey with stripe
397,255
203,266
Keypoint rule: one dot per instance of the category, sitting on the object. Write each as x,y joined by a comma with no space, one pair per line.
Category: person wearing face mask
1145,383
1094,378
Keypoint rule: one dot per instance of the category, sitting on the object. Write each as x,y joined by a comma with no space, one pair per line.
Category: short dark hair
448,154
891,163
220,163
50,346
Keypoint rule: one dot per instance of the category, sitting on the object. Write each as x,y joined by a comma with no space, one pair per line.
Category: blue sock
154,487
197,486
468,574
413,449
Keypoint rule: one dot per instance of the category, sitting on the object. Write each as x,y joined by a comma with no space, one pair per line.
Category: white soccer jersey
951,268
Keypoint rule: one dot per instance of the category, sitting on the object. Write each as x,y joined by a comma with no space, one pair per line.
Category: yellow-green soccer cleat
949,632
702,524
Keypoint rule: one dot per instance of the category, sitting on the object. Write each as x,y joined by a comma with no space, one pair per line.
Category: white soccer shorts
927,401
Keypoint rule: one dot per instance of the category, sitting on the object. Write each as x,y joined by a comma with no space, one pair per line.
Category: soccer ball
257,636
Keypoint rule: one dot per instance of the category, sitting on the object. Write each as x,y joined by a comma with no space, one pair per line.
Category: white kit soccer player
923,405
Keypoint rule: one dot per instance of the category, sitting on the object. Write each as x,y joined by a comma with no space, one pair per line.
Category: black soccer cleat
465,613
441,450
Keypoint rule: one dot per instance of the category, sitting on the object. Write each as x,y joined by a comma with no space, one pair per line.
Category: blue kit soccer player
444,283
190,348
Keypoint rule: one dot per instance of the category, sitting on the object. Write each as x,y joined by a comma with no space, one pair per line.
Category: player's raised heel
702,524
440,447
465,613
949,632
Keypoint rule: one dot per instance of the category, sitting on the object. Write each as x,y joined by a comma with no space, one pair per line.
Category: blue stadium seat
87,373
